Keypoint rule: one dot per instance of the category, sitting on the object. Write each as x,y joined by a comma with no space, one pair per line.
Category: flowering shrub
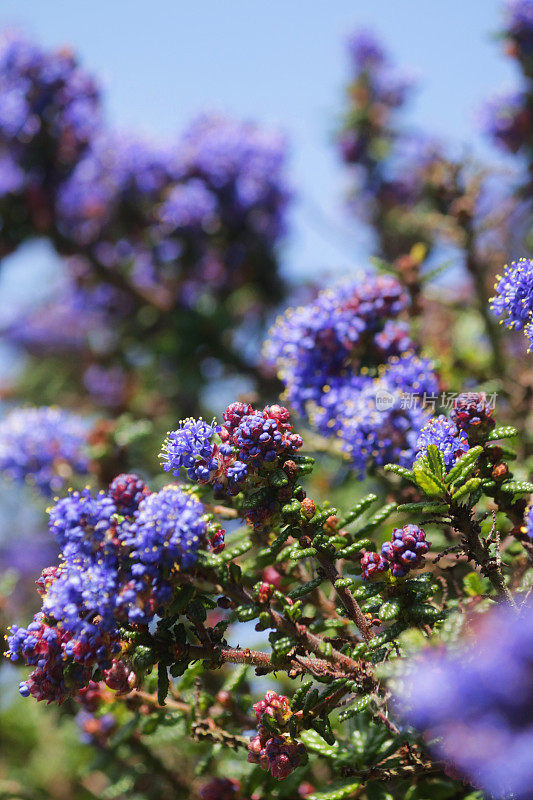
321,590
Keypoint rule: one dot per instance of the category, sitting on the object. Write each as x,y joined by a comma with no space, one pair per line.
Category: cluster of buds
226,455
273,705
127,490
473,414
260,436
404,552
45,648
373,564
280,755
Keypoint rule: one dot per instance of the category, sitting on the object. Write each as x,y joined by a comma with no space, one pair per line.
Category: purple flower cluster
445,435
278,754
180,222
514,297
166,533
119,551
43,446
49,112
127,490
373,565
476,703
346,362
193,213
191,447
404,552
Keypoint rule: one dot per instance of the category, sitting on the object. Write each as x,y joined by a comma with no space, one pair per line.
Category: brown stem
347,599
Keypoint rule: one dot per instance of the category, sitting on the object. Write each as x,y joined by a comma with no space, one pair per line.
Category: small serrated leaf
401,471
517,487
503,432
470,457
435,461
467,488
428,482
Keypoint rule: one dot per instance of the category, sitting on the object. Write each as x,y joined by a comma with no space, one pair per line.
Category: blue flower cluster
43,446
119,552
165,536
445,435
514,297
476,703
225,455
248,445
191,447
346,363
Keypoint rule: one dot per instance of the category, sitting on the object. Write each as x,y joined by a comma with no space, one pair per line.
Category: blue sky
282,63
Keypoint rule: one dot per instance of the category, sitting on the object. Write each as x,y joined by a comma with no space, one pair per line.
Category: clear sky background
282,63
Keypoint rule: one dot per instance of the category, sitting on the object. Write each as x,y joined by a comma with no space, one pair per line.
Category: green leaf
501,433
432,507
475,584
389,610
323,728
435,460
278,479
316,744
469,458
305,588
340,790
467,488
401,471
428,482
299,696
517,487
358,509
310,701
376,520
356,708
162,683
189,676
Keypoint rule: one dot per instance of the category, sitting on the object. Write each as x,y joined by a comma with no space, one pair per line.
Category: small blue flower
191,447
514,297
